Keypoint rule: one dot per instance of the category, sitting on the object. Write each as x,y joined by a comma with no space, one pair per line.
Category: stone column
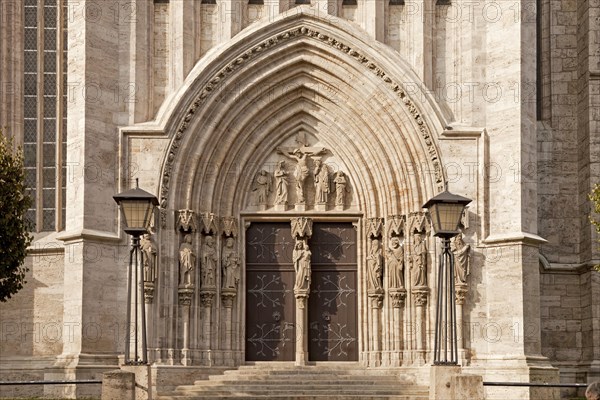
227,297
148,300
301,327
398,297
206,300
185,302
461,293
376,300
420,294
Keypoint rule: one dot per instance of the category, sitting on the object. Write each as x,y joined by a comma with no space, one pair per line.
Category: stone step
326,382
294,387
313,371
296,397
285,380
305,377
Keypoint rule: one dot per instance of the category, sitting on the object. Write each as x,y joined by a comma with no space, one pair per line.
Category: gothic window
44,125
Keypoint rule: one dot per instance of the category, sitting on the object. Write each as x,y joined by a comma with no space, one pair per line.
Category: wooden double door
332,327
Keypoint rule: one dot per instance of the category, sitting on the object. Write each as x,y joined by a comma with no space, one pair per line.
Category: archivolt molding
214,82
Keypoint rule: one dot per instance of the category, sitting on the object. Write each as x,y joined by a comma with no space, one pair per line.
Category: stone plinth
118,385
465,386
440,381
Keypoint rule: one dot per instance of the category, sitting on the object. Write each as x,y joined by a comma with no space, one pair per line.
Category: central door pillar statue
301,232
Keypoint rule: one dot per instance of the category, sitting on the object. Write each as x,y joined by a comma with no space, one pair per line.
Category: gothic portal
292,148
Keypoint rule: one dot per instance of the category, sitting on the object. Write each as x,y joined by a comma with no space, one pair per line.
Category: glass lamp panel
135,212
450,214
434,212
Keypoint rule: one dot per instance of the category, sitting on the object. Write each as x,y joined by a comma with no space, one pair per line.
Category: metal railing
78,382
537,384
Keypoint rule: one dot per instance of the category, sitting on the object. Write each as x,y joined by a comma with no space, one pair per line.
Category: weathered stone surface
195,99
119,385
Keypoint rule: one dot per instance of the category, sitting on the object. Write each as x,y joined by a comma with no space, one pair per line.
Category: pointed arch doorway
332,326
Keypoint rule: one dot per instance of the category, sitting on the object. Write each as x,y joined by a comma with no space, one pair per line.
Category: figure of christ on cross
301,155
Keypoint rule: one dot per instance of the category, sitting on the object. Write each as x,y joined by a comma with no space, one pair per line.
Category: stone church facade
291,147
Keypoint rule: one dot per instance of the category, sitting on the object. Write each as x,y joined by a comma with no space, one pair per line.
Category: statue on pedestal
419,260
395,262
301,258
230,263
209,262
187,261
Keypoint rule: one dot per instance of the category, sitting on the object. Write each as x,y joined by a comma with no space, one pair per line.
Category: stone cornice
514,237
89,234
302,31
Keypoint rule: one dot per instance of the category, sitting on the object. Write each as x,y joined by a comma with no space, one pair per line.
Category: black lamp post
445,211
137,207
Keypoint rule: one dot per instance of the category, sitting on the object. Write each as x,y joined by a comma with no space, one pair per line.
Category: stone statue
395,263
419,260
301,172
462,259
149,251
592,392
281,184
262,187
187,262
301,257
321,182
340,188
209,262
230,263
375,266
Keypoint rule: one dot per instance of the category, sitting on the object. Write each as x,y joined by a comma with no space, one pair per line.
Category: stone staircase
331,382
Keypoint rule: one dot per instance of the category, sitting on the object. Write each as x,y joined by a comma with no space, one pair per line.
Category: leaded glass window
44,110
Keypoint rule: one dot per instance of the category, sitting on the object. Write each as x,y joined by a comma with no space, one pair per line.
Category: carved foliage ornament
396,225
229,226
374,227
215,81
418,222
186,221
301,227
209,223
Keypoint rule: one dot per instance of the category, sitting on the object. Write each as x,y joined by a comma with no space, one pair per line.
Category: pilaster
11,67
137,71
95,253
326,7
183,36
230,18
374,18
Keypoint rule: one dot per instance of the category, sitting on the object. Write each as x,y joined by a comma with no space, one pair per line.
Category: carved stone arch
238,103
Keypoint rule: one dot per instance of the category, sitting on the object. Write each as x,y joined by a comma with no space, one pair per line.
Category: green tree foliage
595,198
14,229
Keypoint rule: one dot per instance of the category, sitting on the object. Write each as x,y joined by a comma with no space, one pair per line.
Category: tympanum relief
300,177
